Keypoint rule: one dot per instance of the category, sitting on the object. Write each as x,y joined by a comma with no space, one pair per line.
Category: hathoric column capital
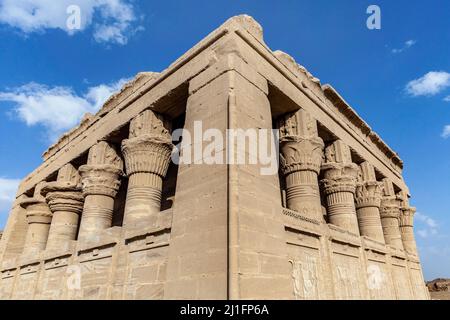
37,210
301,148
150,144
64,194
368,189
340,174
100,176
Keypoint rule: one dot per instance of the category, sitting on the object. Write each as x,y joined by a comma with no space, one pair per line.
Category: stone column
301,152
100,183
390,215
406,225
368,201
39,217
147,156
66,202
339,185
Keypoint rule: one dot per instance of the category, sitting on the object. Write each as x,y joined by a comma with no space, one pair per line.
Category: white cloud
408,44
447,99
8,189
427,225
430,84
446,132
112,20
57,108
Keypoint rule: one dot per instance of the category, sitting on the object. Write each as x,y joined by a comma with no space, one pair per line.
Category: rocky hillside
438,285
439,289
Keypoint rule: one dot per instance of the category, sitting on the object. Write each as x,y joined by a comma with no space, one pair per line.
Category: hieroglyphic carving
347,277
305,274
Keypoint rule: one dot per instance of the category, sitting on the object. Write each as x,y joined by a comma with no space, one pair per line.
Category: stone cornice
89,119
350,114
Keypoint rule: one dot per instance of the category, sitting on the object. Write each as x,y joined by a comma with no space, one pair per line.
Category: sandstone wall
107,217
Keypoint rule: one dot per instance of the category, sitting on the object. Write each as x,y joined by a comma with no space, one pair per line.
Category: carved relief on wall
378,281
306,278
347,277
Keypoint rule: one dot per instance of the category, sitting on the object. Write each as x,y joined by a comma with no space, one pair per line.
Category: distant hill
439,284
439,289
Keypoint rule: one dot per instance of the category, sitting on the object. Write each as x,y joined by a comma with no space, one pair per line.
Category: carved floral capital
368,194
100,179
301,154
37,211
339,177
147,153
407,217
389,207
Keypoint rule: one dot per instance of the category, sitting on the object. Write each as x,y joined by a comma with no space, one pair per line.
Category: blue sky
397,78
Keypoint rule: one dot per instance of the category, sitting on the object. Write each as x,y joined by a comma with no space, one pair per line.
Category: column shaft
143,196
368,200
66,202
302,192
37,233
370,223
406,225
97,213
301,153
339,182
341,210
39,217
63,229
147,156
390,215
100,183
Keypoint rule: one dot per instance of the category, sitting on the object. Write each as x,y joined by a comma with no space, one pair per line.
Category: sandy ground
440,295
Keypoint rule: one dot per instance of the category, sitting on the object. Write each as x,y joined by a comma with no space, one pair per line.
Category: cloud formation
408,44
430,84
112,21
426,225
57,108
8,188
446,132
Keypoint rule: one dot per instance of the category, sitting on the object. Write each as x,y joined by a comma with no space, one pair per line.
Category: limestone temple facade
108,215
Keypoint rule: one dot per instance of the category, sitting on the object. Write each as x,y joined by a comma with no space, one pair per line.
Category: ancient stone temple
109,215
